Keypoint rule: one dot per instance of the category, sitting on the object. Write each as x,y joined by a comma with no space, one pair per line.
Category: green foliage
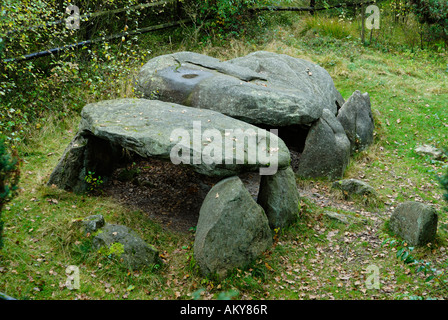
94,182
9,178
434,13
59,84
404,253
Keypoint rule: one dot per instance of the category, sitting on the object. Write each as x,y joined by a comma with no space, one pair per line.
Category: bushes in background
9,177
219,18
433,13
57,84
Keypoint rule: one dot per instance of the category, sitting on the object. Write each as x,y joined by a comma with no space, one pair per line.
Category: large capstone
212,143
262,88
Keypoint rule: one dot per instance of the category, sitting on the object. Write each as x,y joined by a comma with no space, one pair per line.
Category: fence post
179,8
312,5
363,16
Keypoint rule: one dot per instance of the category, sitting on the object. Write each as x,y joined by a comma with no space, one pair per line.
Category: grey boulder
232,229
327,149
356,117
262,88
415,222
280,198
112,129
135,253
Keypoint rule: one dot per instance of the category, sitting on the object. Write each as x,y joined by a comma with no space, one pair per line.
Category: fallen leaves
52,201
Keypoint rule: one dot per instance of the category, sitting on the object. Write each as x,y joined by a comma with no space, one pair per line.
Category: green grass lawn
316,258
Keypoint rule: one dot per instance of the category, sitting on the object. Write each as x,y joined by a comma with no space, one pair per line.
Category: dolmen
224,119
112,132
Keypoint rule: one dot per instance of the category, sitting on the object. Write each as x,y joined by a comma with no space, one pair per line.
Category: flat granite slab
262,88
212,143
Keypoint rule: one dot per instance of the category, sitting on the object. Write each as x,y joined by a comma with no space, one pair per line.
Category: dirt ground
170,194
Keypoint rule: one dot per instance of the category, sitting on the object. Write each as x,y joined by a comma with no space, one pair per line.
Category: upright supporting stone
232,229
327,150
356,118
280,198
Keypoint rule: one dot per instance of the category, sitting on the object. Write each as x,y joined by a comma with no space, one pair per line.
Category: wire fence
84,27
173,17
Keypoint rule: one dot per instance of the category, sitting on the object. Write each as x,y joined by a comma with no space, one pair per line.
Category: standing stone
415,222
70,172
356,118
232,229
327,149
279,198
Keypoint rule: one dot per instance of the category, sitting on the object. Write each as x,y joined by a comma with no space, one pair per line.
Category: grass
316,258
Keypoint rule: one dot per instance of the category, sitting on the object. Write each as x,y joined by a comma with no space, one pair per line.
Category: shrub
434,13
9,177
58,84
222,17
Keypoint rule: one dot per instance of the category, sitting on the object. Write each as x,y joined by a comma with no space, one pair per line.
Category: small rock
415,222
93,223
327,150
134,252
337,216
357,119
431,151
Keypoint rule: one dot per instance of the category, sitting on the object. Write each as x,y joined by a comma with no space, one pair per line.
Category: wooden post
363,16
179,8
312,5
